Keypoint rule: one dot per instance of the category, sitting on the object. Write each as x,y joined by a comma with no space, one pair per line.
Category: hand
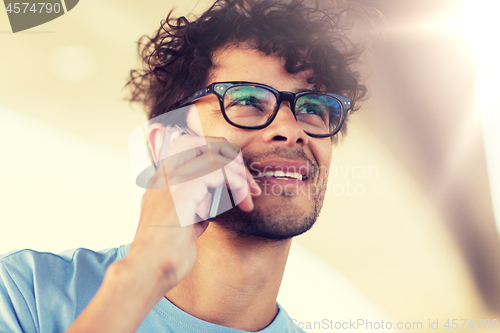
179,192
163,253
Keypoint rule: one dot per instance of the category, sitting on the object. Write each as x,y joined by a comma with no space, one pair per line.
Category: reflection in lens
318,114
249,106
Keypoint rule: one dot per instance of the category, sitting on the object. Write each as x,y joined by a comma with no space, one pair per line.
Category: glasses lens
318,114
249,105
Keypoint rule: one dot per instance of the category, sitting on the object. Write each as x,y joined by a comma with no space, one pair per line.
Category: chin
270,220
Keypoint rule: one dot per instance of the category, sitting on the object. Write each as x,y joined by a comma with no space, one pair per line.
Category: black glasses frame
220,88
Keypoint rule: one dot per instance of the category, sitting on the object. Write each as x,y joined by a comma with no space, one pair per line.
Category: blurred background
407,232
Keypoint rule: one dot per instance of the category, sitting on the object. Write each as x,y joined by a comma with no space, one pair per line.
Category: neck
234,283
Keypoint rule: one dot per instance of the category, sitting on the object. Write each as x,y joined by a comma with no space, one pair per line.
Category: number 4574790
17,8
454,323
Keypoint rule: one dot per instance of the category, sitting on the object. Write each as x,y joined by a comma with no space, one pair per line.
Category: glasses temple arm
200,93
346,102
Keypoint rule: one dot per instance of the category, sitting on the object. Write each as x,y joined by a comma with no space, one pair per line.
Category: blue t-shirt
45,293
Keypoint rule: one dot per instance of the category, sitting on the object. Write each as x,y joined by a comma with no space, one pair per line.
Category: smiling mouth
279,175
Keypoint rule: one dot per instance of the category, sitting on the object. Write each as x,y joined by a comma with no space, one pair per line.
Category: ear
156,132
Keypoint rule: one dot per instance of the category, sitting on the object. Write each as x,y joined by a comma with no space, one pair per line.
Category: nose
285,128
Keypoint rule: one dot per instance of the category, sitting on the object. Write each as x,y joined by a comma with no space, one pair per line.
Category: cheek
206,120
243,138
324,156
193,120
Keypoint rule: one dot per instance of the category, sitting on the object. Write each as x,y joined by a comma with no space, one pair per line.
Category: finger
198,167
195,189
210,161
237,175
189,196
244,198
224,148
180,143
243,195
187,165
203,208
186,148
201,227
254,187
240,190
247,204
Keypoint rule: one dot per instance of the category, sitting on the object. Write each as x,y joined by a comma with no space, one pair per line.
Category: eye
311,108
249,101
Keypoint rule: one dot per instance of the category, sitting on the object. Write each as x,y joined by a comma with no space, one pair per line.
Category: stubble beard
282,221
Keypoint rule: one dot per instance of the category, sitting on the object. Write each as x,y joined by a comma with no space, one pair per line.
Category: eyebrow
303,90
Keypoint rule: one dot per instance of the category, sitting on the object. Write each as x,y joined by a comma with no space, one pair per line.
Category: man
267,76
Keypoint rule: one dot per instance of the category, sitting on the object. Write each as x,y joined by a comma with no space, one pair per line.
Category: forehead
244,63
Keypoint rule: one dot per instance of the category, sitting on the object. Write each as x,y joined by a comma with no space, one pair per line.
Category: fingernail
175,136
235,148
256,187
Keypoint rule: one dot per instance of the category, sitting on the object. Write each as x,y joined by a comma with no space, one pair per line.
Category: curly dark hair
178,58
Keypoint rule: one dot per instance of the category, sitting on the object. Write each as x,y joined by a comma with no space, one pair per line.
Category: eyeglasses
254,106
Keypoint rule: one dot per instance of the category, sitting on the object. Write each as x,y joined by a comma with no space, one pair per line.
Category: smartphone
215,192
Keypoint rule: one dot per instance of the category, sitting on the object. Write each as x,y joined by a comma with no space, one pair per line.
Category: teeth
280,174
